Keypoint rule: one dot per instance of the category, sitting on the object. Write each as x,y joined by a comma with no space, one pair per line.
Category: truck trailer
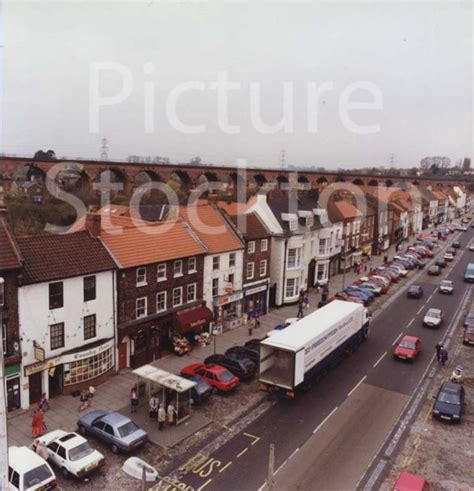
294,357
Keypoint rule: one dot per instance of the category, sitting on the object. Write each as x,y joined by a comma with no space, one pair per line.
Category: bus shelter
169,388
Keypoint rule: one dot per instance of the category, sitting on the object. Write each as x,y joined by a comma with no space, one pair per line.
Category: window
141,276
250,270
56,335
292,287
251,247
2,294
264,245
230,279
309,221
192,265
177,296
161,272
178,268
140,307
293,225
56,300
294,258
62,452
322,272
322,247
88,368
348,228
160,301
89,288
53,446
14,478
263,268
215,263
89,326
231,259
215,287
4,338
191,292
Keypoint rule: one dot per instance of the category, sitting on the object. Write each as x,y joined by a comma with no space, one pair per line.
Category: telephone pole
283,159
104,149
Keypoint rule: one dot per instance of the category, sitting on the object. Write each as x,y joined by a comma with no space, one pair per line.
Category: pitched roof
254,227
212,228
55,257
112,222
10,257
347,210
163,241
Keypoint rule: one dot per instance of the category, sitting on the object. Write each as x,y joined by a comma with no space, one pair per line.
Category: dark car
456,244
415,291
451,250
245,352
253,343
469,319
201,391
114,429
441,263
243,368
449,403
468,337
434,270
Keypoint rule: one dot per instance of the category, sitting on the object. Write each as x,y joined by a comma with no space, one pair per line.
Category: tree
195,161
42,155
466,165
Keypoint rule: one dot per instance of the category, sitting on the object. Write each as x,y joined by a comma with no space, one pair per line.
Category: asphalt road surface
327,437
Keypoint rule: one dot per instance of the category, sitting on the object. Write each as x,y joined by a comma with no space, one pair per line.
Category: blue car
360,292
201,391
114,429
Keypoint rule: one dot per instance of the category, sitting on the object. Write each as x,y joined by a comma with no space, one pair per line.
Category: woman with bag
133,399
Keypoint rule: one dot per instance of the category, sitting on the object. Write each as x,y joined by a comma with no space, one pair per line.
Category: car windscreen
79,452
433,313
446,283
470,330
407,345
36,476
201,387
225,376
127,429
448,398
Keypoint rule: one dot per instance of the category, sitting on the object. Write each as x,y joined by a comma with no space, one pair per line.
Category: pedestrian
133,399
257,321
161,417
153,403
170,413
438,348
251,325
300,314
43,402
91,392
317,285
306,301
40,449
365,268
443,355
37,425
84,398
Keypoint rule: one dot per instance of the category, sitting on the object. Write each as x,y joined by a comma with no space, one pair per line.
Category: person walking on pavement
251,324
170,413
300,314
133,399
443,355
154,403
438,348
161,417
306,301
37,425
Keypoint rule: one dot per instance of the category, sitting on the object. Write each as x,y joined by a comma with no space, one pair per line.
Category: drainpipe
114,310
284,274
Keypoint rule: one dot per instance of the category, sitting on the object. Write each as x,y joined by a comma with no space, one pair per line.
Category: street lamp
3,408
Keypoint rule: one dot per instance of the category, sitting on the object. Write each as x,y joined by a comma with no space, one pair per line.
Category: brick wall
256,257
10,313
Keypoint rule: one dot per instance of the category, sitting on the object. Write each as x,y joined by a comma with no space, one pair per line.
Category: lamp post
3,408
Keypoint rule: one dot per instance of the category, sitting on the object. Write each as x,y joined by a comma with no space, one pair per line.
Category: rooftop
10,257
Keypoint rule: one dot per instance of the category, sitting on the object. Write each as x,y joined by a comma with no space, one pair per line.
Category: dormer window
293,225
309,221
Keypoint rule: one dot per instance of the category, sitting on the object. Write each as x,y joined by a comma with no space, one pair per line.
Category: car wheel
115,449
65,472
82,430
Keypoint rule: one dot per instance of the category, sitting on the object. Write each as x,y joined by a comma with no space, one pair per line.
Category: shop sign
87,354
255,290
35,368
229,299
228,286
38,352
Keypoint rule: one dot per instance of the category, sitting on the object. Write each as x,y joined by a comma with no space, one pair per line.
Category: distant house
32,190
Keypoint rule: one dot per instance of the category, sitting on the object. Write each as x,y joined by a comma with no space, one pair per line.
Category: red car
411,482
408,348
348,298
215,375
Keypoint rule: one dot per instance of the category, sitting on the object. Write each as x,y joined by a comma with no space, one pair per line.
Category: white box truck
294,357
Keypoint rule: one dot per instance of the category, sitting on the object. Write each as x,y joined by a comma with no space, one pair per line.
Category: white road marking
357,385
398,337
242,453
379,360
410,323
225,467
325,419
294,453
420,309
431,296
262,486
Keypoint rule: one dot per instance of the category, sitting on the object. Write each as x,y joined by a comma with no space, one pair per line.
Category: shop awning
190,320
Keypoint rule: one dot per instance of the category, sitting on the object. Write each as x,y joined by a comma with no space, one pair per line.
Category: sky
408,65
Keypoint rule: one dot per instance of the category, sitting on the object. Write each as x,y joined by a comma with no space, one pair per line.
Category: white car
71,453
398,269
447,286
471,247
28,471
448,256
433,318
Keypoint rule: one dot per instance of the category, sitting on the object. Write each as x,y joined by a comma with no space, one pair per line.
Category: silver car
433,318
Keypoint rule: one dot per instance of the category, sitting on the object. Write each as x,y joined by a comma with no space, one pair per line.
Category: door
35,387
311,273
55,377
122,355
13,393
272,299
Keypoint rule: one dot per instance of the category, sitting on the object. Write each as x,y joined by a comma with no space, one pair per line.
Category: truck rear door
299,367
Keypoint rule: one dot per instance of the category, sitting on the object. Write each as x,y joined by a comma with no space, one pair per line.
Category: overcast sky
418,55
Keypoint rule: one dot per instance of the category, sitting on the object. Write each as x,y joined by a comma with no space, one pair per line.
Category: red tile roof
135,246
347,210
10,257
211,227
253,226
439,195
56,257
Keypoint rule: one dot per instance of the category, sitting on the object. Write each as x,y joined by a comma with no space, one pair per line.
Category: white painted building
66,306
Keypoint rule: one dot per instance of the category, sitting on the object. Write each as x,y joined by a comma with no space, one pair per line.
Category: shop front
68,373
228,311
366,250
256,299
192,321
12,386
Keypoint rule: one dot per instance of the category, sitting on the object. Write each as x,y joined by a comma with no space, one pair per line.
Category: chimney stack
4,213
212,198
93,222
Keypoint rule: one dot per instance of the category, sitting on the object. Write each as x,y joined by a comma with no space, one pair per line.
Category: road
327,437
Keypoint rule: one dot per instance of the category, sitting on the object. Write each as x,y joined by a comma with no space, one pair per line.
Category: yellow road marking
204,485
255,438
242,453
225,467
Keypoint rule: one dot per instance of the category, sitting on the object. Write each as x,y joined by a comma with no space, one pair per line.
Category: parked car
253,343
348,298
380,278
201,392
456,244
28,471
372,287
471,247
449,403
451,250
433,318
441,263
114,429
392,275
434,270
243,368
408,348
215,375
448,256
416,260
71,453
468,337
446,286
415,291
469,319
411,482
252,353
357,290
398,268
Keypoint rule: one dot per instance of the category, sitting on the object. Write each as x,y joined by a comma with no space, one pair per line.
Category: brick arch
302,179
358,182
339,178
389,183
236,179
322,181
373,182
259,179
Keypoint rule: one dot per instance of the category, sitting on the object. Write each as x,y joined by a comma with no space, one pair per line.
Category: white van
28,471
